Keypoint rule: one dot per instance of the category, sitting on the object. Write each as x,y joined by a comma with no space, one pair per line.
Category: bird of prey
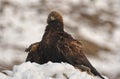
59,46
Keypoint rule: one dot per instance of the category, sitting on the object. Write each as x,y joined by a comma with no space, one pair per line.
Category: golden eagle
59,46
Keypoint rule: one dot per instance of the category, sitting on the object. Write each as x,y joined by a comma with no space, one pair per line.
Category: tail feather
90,70
96,73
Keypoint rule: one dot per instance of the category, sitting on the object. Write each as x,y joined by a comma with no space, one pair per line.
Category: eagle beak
52,18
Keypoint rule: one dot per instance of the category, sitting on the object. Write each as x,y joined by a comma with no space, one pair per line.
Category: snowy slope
46,71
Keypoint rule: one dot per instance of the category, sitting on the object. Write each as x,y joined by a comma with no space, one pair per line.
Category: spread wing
33,52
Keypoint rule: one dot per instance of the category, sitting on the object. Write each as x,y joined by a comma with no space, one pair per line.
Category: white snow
49,70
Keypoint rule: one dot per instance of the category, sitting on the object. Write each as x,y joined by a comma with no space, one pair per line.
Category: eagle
59,46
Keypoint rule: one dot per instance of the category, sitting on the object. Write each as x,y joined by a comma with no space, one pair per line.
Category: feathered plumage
59,46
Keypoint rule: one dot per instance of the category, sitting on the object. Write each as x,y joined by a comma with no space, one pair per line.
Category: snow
49,70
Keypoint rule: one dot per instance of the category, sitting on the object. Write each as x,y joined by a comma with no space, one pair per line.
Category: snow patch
49,70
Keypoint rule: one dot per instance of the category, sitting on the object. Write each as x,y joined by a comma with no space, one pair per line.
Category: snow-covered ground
22,22
46,71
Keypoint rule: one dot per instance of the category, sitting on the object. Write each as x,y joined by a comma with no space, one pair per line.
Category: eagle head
55,17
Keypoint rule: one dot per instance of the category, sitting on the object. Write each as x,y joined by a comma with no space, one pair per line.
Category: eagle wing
72,51
33,52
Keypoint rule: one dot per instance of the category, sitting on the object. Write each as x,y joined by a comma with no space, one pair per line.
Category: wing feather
33,52
73,52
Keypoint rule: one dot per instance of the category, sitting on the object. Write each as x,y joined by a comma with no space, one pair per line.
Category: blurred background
95,22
